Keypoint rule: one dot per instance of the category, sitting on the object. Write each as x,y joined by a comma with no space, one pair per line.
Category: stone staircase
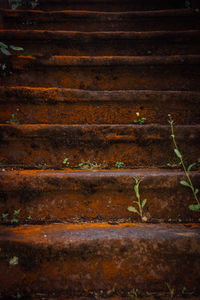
71,104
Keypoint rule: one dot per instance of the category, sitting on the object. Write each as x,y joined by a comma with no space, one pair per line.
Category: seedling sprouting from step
188,183
119,165
5,49
13,119
141,204
139,121
66,162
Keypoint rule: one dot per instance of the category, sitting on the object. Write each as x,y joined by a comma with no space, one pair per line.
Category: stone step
180,19
104,73
95,195
68,106
80,259
74,43
103,5
134,145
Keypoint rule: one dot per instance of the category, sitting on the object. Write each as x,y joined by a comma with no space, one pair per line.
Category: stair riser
91,23
49,44
75,197
134,145
110,5
113,77
145,261
54,106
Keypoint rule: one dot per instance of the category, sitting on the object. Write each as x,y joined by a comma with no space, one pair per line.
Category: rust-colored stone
135,145
70,195
111,5
47,43
107,73
68,106
94,21
77,259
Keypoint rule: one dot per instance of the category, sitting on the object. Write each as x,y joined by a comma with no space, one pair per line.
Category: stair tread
163,12
96,195
75,234
65,94
7,34
79,259
106,60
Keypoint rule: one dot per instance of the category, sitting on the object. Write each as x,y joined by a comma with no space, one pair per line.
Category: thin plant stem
171,122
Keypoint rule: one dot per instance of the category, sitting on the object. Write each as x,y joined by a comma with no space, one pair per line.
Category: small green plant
5,217
66,162
91,165
139,203
14,4
15,215
139,121
13,119
42,164
4,48
171,291
174,165
134,294
188,183
183,290
187,3
119,165
14,261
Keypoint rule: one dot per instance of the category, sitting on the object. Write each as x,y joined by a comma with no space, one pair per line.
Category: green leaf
194,207
16,212
4,216
2,45
185,183
144,202
178,153
136,189
5,51
16,48
196,191
133,209
191,166
14,220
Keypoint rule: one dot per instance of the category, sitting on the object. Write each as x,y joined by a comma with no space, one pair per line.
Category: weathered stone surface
80,258
48,43
74,195
68,106
180,19
135,145
106,73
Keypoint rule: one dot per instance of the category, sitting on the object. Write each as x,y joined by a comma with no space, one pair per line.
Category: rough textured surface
81,258
180,19
68,106
74,195
106,73
131,144
47,43
106,65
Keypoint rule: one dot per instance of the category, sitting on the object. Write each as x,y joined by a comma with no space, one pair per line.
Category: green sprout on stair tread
91,165
14,219
4,48
66,162
13,119
119,165
139,121
188,183
139,203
